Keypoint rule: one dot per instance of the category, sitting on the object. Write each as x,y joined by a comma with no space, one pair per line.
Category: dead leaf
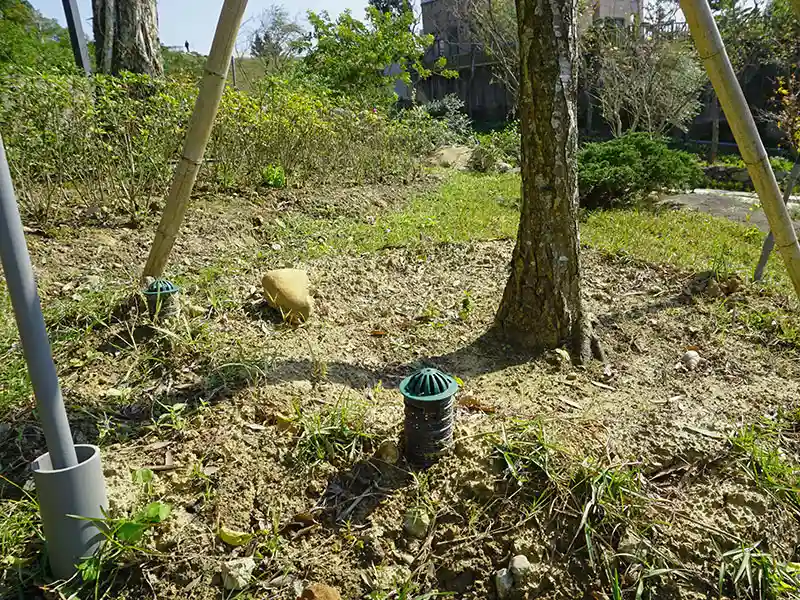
603,386
470,402
377,333
233,537
255,427
571,403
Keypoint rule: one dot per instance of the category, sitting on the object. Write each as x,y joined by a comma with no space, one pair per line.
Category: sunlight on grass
684,239
467,207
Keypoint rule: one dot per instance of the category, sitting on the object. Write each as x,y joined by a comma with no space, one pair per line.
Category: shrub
484,158
506,142
111,143
273,176
626,168
108,142
450,111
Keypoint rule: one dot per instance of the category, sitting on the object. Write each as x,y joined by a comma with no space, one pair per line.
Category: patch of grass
21,541
467,207
684,239
752,573
760,447
336,434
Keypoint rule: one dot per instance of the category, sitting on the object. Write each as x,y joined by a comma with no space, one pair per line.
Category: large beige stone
288,290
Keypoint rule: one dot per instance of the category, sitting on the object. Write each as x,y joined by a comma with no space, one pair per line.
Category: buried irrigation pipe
69,478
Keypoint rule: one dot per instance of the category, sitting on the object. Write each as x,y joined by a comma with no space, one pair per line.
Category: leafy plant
273,176
626,168
364,60
122,546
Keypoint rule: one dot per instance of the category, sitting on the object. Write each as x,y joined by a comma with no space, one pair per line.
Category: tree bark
541,306
126,37
714,150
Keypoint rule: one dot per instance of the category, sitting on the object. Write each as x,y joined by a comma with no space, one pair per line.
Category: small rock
407,558
520,568
388,452
288,290
503,167
320,591
236,573
690,360
504,582
416,523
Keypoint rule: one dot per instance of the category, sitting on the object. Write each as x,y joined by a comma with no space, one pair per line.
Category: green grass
20,544
466,208
687,240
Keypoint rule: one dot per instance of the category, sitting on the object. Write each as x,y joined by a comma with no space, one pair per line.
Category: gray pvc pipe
64,496
28,313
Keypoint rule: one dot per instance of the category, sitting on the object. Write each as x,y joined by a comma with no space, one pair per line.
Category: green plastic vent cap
161,287
428,385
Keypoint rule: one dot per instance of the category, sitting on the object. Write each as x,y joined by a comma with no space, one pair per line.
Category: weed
172,419
144,477
336,434
764,460
21,540
273,176
756,574
122,548
467,306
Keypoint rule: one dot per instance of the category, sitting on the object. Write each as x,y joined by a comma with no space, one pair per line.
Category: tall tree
275,39
541,306
126,37
395,7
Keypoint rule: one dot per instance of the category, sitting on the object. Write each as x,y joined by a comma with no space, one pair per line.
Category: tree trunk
541,306
126,37
714,150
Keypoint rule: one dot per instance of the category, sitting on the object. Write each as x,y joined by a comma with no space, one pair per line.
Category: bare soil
379,316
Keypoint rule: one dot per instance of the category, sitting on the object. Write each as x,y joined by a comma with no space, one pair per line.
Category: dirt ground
231,459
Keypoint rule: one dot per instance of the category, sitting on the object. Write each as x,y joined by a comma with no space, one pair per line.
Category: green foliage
625,169
109,145
450,110
109,142
336,435
356,58
29,41
484,158
506,141
273,176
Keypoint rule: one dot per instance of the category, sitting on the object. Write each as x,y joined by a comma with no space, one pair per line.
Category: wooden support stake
711,49
200,125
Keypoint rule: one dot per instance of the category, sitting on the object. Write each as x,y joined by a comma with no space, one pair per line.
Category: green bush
103,143
506,143
625,169
108,146
273,176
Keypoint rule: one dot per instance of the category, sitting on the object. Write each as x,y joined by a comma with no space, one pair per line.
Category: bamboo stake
200,125
711,49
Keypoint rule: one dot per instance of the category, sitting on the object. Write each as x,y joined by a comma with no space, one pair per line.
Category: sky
195,20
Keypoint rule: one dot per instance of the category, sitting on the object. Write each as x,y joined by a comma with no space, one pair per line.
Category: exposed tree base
585,344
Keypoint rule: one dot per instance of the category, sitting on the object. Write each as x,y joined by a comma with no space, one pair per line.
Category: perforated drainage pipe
162,299
429,398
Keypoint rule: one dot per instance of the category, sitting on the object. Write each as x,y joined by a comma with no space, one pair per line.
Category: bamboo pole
200,125
711,49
